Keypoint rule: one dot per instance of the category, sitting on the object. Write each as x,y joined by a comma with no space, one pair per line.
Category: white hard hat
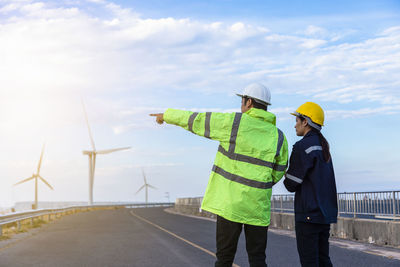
258,92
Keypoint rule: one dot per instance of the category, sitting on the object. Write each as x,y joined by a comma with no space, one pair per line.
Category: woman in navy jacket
311,176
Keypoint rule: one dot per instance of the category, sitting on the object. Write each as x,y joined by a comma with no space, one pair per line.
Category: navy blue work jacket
313,180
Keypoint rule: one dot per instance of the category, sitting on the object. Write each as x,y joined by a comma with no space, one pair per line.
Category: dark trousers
313,244
228,233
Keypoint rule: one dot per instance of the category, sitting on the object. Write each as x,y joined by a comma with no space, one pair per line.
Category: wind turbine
36,177
146,186
92,156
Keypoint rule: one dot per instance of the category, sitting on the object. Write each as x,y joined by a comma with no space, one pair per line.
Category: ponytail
322,140
325,147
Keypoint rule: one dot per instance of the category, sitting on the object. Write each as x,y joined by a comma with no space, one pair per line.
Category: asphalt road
148,237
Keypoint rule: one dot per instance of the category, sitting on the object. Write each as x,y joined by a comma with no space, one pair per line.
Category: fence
385,204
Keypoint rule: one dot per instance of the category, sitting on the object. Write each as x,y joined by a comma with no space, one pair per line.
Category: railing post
1,230
281,203
394,204
272,203
338,203
354,205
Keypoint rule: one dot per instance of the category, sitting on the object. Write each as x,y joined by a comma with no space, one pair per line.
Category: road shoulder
388,252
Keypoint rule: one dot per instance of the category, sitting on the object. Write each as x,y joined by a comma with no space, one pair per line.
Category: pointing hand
159,117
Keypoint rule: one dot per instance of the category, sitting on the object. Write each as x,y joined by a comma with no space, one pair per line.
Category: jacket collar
262,114
310,133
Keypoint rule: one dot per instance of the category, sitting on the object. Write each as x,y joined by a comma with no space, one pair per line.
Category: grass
12,229
37,223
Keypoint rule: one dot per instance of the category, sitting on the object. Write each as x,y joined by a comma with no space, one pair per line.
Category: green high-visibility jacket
251,158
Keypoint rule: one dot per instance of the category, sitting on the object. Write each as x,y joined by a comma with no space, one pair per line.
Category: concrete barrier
192,206
365,230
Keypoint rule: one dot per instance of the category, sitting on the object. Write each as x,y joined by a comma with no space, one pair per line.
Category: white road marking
178,237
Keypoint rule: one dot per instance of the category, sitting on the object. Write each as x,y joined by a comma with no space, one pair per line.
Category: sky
127,59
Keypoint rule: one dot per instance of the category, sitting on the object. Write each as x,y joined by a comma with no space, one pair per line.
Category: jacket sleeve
281,162
300,163
212,125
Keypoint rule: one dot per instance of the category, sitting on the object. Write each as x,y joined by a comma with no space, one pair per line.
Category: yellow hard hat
312,111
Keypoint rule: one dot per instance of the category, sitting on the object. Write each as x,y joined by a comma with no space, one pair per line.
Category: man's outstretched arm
213,125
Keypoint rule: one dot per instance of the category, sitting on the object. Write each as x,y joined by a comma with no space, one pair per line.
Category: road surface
149,237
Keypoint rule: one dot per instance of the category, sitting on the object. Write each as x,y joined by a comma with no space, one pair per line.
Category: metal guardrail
379,204
384,203
282,203
18,217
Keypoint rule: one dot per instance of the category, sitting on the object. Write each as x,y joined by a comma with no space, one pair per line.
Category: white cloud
294,41
73,51
343,114
391,30
9,7
314,30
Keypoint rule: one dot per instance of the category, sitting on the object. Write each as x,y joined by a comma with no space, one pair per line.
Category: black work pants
228,233
313,244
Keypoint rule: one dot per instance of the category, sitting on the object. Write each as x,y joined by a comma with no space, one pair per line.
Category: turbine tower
36,177
146,186
92,156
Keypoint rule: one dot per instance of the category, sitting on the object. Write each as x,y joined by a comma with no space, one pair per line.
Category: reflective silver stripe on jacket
280,142
207,125
312,148
293,178
235,129
234,156
191,120
251,160
240,179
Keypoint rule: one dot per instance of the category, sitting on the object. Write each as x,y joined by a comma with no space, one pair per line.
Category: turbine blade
40,161
144,177
107,151
44,181
87,122
26,180
140,189
151,186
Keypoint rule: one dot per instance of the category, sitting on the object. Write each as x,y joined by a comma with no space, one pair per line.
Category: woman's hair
324,143
255,103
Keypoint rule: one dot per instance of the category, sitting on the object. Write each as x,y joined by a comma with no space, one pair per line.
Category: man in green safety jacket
252,156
